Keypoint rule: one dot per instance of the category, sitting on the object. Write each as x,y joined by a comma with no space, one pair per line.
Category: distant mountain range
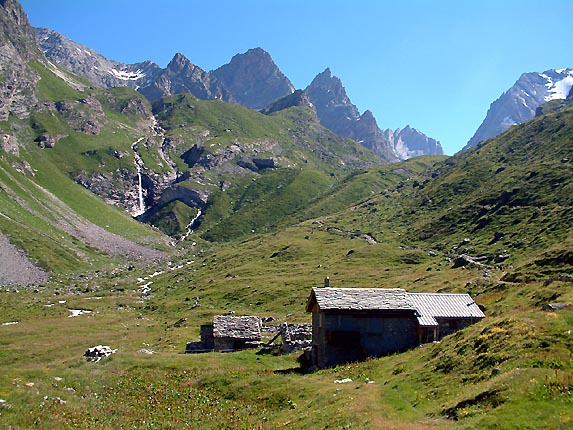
520,103
251,79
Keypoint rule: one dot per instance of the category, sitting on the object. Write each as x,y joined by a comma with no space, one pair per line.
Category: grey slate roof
241,327
360,299
427,306
443,305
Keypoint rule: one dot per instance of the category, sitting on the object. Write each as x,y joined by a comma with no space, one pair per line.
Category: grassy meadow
512,370
261,246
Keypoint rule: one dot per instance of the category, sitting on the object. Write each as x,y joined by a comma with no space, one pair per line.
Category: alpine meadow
138,204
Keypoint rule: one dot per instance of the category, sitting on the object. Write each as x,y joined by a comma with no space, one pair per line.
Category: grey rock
520,102
410,142
254,79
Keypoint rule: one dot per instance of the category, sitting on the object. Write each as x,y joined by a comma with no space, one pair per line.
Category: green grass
51,88
519,358
390,226
173,218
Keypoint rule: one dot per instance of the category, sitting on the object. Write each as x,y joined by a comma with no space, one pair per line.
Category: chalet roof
427,306
237,327
360,299
443,305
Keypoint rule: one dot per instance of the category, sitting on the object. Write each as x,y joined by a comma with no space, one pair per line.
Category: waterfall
190,226
138,163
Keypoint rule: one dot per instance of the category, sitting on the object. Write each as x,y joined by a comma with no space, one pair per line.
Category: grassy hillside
511,196
58,224
512,370
255,170
504,206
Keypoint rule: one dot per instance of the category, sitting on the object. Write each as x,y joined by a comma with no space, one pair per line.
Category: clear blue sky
433,64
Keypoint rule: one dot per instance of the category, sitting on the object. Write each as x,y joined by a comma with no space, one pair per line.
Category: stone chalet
231,333
351,324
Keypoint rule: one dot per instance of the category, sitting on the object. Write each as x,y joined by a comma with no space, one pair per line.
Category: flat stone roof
426,306
237,327
360,299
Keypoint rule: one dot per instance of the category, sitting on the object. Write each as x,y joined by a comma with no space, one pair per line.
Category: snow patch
127,75
559,89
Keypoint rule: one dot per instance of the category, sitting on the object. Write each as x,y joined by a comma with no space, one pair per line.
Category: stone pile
96,353
295,337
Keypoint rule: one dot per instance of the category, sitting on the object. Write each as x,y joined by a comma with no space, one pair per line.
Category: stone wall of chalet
345,337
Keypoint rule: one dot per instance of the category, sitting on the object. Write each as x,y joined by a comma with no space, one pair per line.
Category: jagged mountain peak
337,113
410,142
254,79
333,105
251,78
326,80
180,64
368,116
252,54
520,102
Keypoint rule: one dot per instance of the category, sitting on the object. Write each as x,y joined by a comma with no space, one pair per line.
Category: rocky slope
84,61
410,142
337,113
17,48
520,102
251,79
254,79
340,115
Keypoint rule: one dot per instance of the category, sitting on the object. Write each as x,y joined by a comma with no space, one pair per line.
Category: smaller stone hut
229,333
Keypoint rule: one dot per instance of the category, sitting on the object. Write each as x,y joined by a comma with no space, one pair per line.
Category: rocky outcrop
254,79
410,142
84,116
9,144
520,103
297,99
17,48
46,140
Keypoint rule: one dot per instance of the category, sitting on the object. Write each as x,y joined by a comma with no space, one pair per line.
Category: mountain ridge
520,102
251,79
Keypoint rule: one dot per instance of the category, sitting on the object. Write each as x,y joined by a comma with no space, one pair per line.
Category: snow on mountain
559,89
519,103
127,75
410,142
86,62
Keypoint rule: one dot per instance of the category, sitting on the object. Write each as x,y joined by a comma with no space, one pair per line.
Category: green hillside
58,224
256,170
283,204
403,225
